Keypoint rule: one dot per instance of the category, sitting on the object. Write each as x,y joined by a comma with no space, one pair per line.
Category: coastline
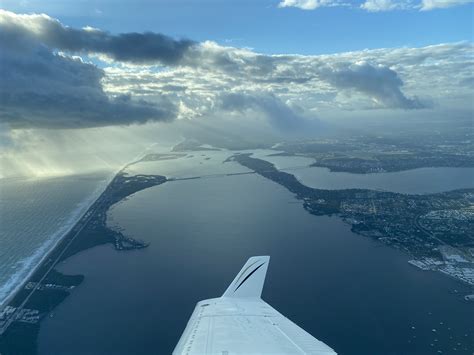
84,209
356,206
46,288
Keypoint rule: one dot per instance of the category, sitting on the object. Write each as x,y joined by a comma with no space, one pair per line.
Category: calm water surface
358,296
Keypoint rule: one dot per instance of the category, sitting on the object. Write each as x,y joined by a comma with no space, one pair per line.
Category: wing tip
250,279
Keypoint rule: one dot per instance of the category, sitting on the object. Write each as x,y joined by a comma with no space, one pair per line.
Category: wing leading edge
240,322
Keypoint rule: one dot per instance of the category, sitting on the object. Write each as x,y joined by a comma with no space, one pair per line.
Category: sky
265,25
72,71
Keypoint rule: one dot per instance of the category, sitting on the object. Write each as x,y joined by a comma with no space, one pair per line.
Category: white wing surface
240,322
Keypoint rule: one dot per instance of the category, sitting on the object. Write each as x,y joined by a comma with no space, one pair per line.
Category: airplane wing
240,322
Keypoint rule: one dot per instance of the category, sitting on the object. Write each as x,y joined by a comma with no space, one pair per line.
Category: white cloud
441,4
389,79
308,4
385,5
376,5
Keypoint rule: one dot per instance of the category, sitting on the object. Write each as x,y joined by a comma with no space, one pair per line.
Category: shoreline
94,197
50,287
356,206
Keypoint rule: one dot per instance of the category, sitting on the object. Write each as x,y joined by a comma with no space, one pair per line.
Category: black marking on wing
244,271
258,267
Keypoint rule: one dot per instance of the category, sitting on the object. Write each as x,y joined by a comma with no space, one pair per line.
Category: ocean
35,213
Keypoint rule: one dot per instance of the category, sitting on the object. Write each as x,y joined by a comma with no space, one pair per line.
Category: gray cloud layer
44,89
47,88
379,82
137,48
277,112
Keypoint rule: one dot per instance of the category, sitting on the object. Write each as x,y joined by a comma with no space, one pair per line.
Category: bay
358,296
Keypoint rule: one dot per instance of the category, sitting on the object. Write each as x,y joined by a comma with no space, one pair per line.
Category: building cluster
5,315
456,263
27,315
366,154
11,314
48,286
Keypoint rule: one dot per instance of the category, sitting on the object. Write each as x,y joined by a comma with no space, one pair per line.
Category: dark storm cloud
43,89
136,48
379,82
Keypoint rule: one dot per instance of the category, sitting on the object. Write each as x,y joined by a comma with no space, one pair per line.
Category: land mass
378,154
437,230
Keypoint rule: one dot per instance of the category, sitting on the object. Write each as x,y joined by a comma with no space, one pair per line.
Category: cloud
376,5
6,141
379,82
387,79
45,89
279,114
140,48
442,4
308,4
385,5
48,88
469,82
209,55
